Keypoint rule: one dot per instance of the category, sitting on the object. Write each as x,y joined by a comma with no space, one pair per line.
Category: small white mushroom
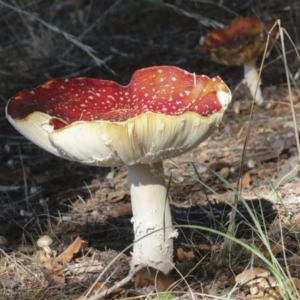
33,189
24,213
251,163
7,148
44,242
11,163
43,201
3,240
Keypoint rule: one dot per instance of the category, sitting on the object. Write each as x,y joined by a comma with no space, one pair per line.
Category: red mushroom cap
100,117
242,41
164,90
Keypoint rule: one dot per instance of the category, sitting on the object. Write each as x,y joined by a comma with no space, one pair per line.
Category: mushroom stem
252,80
151,219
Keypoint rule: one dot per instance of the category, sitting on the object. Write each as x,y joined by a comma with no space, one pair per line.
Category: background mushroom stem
151,219
252,79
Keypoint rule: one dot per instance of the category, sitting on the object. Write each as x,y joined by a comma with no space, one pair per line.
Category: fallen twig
117,285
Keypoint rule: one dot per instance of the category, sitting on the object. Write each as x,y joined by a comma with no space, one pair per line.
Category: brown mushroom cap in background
242,41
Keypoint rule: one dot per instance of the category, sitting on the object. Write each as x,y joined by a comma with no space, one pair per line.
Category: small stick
118,284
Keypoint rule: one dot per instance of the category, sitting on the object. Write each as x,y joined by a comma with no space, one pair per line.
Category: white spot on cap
174,78
224,98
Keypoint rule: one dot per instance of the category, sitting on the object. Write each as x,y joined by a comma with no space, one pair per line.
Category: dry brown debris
148,277
54,268
130,35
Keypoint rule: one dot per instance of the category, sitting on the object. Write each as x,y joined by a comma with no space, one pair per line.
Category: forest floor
42,194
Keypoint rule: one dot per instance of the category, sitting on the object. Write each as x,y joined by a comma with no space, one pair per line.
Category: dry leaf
45,264
68,254
98,288
224,172
149,276
78,4
249,274
296,221
119,210
120,176
182,255
218,165
117,195
258,296
293,281
268,282
53,267
245,182
14,176
275,247
41,179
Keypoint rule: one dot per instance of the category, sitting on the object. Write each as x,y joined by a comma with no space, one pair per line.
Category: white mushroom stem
253,81
47,250
151,219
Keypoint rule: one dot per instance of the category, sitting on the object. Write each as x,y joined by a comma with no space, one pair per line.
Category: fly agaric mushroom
163,112
241,43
